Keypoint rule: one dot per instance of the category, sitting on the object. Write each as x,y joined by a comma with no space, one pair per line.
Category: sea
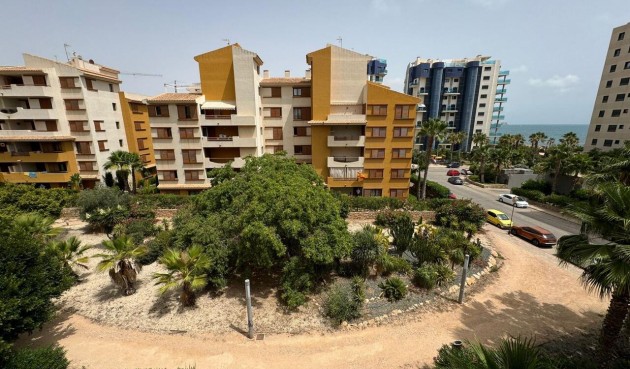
551,130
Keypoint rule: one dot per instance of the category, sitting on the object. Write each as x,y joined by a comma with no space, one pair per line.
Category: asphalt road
488,198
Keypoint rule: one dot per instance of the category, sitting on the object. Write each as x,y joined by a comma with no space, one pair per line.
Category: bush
156,247
139,229
537,185
344,302
366,249
534,195
457,213
393,288
163,201
394,264
474,177
44,358
434,189
23,198
558,200
297,281
354,203
425,276
581,194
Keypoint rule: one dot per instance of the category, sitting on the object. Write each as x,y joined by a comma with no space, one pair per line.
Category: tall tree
481,152
119,160
432,129
134,162
455,138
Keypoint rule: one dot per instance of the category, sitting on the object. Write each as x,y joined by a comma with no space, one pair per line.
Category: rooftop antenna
174,85
226,40
340,41
65,47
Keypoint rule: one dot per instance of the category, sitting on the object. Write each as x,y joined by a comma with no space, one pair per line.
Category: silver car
513,200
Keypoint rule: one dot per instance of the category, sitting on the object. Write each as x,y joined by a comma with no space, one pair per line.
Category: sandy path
531,295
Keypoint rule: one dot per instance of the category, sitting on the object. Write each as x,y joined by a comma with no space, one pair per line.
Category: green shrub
534,195
23,198
344,302
163,201
156,247
456,213
558,200
394,264
425,276
581,194
393,288
434,189
366,249
537,185
445,275
354,203
297,281
474,177
45,358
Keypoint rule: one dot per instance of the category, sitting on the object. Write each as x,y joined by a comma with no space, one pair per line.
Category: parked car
514,200
453,165
466,172
498,218
455,180
452,196
536,235
452,172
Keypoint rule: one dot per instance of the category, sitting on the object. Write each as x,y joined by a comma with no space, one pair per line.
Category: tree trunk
554,184
482,169
133,181
426,171
187,296
613,322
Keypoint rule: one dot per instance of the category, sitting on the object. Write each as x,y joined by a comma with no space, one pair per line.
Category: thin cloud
489,3
520,69
559,83
385,5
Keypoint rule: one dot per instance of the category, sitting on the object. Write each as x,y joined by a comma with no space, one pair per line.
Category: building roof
19,69
98,75
135,97
173,98
285,81
36,138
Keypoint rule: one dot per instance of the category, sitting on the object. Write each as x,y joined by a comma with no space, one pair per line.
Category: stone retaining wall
485,185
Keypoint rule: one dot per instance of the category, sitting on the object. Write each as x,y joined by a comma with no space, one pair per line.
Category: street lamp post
512,217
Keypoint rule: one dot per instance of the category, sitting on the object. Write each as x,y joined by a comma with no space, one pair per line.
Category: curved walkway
531,296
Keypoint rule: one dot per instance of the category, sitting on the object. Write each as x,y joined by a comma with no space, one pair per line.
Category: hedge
529,194
26,198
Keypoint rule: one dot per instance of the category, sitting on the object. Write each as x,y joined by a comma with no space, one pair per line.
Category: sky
555,49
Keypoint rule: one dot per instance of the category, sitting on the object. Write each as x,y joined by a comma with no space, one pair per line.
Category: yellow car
498,218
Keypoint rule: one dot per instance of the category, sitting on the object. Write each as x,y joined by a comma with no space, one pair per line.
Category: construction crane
175,85
140,74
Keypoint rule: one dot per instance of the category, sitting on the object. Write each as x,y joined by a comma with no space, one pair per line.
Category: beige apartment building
610,121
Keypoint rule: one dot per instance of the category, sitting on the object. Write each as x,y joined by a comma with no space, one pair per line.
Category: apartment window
376,153
301,91
166,154
169,175
189,156
89,85
275,112
187,133
302,149
598,127
158,110
276,92
86,166
616,142
142,144
301,131
481,114
601,113
138,126
617,52
277,133
486,78
594,142
277,148
102,145
67,82
620,97
375,173
608,84
399,153
620,126
192,175
373,192
608,143
480,122
186,112
396,192
624,81
397,173
111,87
379,131
612,128
402,111
626,65
487,68
621,35
484,87
135,108
401,131
120,143
377,110
616,113
477,131
604,99
114,108
72,104
98,126
483,96
145,158
83,148
301,113
77,126
613,68
164,133
117,125
482,105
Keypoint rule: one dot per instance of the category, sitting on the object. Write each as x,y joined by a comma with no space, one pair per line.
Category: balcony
501,91
229,120
35,156
504,82
35,177
497,108
501,99
345,161
25,91
504,73
232,141
211,163
35,134
450,91
346,141
342,119
450,109
413,83
27,114
498,117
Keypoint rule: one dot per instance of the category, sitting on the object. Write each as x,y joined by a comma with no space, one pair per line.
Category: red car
536,235
452,172
452,196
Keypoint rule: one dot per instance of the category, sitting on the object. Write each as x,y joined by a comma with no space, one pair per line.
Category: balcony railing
230,138
501,99
504,81
504,73
501,91
498,117
216,116
20,153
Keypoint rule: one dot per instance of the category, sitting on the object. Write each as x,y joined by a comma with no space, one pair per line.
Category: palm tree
39,226
455,138
518,140
558,156
135,163
499,156
71,252
75,182
480,139
606,265
119,159
431,129
186,269
615,169
121,262
537,138
570,139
